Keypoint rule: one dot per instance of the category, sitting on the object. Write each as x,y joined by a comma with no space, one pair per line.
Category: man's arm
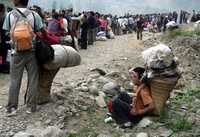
147,109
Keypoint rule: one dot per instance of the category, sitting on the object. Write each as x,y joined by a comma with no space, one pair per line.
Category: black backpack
43,51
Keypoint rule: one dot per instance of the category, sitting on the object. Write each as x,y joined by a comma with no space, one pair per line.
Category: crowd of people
55,27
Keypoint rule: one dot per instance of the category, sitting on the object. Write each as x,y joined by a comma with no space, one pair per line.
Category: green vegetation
175,122
179,121
182,32
85,132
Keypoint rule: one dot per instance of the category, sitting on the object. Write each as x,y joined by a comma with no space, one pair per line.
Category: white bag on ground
111,34
101,38
171,24
101,33
65,56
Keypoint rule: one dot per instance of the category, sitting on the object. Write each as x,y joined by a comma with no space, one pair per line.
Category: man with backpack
22,23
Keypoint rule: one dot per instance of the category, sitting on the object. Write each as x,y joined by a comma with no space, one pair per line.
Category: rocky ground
79,96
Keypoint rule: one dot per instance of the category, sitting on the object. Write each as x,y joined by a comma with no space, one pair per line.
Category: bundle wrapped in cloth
162,73
160,61
64,56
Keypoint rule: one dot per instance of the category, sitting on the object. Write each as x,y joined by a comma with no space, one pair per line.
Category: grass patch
84,132
187,98
175,122
179,121
184,33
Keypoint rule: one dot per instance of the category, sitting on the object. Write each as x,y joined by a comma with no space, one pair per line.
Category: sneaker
30,110
11,112
126,125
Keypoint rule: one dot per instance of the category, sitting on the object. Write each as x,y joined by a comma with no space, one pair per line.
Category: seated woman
127,110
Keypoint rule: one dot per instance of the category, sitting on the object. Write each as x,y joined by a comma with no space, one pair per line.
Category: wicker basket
160,89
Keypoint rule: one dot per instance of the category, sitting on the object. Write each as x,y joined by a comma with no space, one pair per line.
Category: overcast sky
120,6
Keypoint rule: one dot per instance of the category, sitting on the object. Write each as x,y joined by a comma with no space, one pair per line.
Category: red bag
110,106
49,37
52,39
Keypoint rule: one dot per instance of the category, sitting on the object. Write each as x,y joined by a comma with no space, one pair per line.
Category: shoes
126,125
31,109
11,112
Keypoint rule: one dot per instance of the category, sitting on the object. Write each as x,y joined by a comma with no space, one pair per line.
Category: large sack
101,33
111,34
158,57
101,38
65,56
172,25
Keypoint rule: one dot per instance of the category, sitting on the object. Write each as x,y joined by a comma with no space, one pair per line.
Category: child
127,110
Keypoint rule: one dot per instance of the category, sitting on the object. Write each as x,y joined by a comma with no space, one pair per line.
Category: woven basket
160,89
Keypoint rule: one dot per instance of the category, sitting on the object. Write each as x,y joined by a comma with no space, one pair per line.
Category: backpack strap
22,14
34,23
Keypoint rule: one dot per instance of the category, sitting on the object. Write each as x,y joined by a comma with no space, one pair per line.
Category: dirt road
113,55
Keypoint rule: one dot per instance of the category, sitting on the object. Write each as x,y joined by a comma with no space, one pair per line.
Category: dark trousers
121,109
84,39
91,36
139,33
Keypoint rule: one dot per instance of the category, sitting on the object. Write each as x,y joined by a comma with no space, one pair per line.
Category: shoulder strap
22,14
34,24
9,20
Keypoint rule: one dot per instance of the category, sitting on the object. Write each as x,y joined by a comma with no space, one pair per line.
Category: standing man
23,53
140,25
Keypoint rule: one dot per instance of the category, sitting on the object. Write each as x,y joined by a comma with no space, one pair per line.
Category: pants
19,62
84,39
139,33
91,38
45,82
121,109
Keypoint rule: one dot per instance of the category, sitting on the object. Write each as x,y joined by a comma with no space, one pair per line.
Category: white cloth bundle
65,56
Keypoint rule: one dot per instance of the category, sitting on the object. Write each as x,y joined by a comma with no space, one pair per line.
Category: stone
122,89
183,107
10,134
99,71
127,135
48,121
23,134
84,85
198,112
100,101
60,110
142,134
93,89
145,122
60,102
128,85
192,119
103,80
166,133
104,135
111,88
84,89
84,108
101,93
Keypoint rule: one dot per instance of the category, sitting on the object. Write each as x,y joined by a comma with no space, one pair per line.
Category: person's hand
133,112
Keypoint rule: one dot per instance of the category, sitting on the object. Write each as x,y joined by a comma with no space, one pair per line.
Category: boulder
142,134
111,88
